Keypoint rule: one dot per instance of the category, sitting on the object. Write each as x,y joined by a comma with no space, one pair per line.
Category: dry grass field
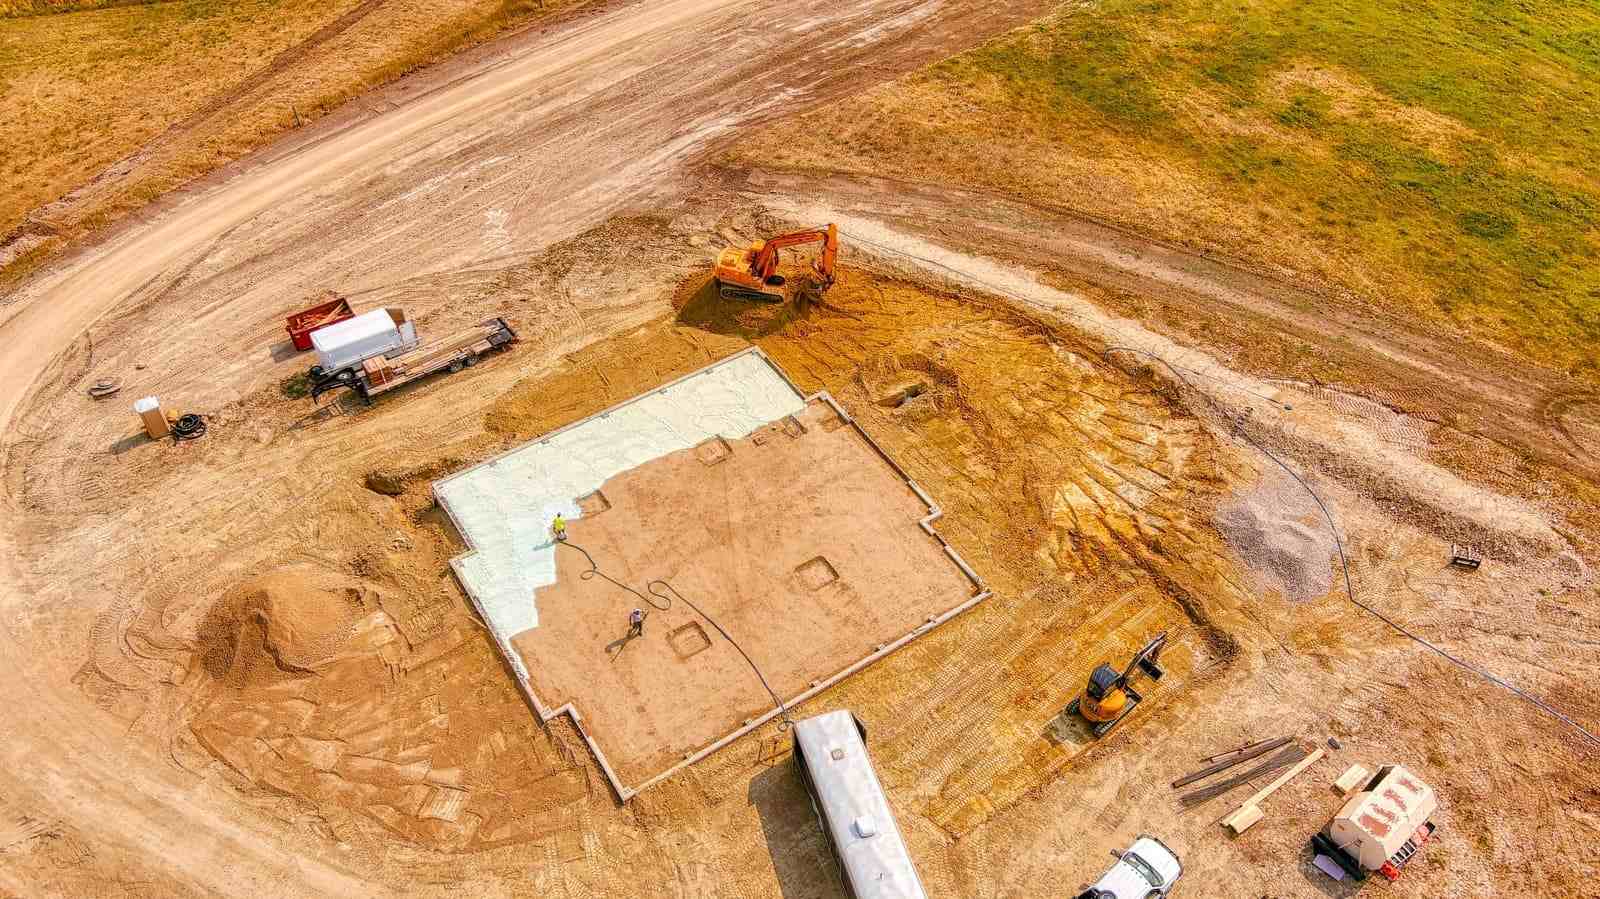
107,105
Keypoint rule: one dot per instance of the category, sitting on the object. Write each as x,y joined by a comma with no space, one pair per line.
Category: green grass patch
1308,109
1457,152
296,387
15,9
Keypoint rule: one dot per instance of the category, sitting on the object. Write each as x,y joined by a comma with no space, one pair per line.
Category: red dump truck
380,373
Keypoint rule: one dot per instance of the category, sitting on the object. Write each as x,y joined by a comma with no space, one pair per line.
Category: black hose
665,603
783,710
189,427
595,570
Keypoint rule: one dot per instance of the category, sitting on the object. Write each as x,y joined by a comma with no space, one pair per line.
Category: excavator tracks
734,292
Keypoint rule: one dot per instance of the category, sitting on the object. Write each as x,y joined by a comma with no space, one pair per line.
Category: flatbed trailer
381,374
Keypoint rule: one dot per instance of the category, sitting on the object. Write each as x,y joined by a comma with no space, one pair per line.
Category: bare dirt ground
798,539
107,109
241,663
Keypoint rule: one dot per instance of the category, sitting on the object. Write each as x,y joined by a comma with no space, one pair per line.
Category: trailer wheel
455,366
470,361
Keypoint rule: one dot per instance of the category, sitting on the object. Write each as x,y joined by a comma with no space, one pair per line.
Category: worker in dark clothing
636,623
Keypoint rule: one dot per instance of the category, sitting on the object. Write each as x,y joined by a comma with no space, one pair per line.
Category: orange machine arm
766,260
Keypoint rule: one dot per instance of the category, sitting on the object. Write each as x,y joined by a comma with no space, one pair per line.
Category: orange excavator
751,273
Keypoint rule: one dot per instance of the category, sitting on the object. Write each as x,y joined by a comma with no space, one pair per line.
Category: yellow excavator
1110,695
751,273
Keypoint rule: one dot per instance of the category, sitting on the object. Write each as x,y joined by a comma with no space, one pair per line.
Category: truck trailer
369,374
1381,827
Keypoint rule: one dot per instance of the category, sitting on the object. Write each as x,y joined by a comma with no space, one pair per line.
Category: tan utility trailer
381,374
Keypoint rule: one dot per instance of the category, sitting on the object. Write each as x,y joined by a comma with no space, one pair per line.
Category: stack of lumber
1288,753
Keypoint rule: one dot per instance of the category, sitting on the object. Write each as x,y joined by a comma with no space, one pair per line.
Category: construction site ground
242,665
799,540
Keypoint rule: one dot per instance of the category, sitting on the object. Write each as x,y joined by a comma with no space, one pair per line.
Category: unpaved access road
538,138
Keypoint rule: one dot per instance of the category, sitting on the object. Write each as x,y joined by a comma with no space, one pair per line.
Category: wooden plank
1246,747
1353,776
1225,762
1284,778
1243,819
1249,813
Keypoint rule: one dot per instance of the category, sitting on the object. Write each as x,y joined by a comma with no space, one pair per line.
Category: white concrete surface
504,507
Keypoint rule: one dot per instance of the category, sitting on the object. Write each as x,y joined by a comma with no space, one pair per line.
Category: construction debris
1249,813
1228,759
1465,557
1222,755
331,310
1353,776
1285,757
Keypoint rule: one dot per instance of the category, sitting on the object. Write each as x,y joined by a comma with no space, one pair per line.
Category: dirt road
543,137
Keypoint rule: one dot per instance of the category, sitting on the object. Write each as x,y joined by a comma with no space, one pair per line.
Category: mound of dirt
1281,537
283,624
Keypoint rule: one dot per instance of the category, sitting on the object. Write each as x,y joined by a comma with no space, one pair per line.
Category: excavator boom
752,273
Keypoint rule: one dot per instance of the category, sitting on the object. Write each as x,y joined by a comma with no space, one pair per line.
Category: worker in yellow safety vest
559,527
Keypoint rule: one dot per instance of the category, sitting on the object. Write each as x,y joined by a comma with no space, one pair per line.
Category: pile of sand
1279,534
282,624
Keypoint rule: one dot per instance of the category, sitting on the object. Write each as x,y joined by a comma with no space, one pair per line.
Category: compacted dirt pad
799,540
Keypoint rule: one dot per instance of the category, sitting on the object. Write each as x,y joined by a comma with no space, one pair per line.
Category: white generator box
375,333
1382,826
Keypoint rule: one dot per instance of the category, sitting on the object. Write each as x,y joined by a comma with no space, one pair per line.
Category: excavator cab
751,273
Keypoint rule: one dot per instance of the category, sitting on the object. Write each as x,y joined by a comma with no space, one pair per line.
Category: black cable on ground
665,603
189,427
594,570
1344,562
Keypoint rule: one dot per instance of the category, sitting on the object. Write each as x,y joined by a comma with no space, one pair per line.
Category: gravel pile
1281,537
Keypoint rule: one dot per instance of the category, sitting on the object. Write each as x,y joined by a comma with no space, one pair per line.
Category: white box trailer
831,751
385,372
346,344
